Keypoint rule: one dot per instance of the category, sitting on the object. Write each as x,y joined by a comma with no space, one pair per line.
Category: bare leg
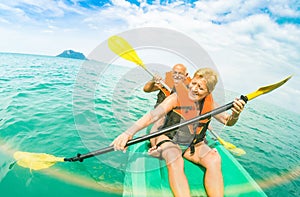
177,179
171,153
213,179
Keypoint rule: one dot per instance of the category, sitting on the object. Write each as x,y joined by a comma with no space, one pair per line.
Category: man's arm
153,85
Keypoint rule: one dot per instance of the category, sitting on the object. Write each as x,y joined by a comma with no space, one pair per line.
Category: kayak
148,176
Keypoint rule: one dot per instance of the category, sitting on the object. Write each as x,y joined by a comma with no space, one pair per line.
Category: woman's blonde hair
209,75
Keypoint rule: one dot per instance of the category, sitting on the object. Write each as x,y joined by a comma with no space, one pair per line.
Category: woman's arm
230,120
161,110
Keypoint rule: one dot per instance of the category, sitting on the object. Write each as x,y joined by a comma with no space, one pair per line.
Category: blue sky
253,42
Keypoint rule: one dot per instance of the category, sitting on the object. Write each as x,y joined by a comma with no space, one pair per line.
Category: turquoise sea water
63,107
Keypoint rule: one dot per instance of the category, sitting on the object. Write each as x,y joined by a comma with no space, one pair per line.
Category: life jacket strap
198,137
163,141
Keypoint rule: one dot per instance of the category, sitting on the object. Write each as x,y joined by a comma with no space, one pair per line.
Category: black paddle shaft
216,111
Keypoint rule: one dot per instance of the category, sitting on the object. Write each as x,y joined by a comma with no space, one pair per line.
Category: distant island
72,54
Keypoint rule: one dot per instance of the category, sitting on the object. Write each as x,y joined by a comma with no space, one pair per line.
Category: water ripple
55,106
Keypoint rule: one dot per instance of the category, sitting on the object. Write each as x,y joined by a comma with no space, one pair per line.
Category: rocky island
72,54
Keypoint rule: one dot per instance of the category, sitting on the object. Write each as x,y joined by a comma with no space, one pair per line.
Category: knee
173,158
176,165
212,160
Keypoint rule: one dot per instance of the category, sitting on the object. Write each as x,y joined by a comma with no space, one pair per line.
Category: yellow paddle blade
266,89
232,148
36,161
123,49
237,151
227,145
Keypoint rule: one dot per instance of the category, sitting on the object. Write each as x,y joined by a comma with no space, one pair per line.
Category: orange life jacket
163,93
170,83
187,109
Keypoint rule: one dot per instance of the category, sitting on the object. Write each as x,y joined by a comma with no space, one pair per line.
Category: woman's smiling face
198,89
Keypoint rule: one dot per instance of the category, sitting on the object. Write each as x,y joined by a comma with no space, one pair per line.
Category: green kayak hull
148,176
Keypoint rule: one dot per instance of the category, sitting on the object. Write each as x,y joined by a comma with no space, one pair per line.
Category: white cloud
122,3
34,6
285,8
2,20
14,14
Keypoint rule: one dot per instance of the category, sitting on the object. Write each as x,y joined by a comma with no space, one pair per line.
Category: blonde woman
187,103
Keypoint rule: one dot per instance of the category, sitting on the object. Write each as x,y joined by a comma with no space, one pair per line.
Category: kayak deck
148,176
